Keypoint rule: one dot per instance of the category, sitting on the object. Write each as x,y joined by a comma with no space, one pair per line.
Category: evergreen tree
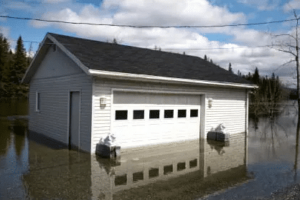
205,57
255,78
15,71
4,58
230,68
20,62
20,65
239,73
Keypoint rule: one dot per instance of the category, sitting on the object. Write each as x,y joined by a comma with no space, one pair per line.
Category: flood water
244,168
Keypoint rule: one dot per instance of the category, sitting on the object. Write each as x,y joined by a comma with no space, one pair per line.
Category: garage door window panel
181,113
121,115
154,114
138,114
194,113
169,113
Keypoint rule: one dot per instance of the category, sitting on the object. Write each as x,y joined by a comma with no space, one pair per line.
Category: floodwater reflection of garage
186,170
150,118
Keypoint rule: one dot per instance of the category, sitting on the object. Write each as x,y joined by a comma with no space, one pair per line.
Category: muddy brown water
250,167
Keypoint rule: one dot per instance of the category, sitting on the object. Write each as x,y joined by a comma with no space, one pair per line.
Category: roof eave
151,78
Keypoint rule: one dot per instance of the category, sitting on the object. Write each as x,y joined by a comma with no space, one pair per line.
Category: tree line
269,95
13,66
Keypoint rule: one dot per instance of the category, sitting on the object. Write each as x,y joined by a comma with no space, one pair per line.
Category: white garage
144,96
140,119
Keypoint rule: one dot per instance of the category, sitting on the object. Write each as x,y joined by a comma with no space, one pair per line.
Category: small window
181,113
169,113
121,114
154,114
138,114
194,113
38,101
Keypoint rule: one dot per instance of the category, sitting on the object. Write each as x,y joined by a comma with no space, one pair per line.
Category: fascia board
144,77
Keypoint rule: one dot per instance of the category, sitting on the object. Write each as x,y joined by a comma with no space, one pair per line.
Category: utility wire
145,26
172,49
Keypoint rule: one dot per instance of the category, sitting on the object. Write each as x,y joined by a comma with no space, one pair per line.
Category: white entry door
140,119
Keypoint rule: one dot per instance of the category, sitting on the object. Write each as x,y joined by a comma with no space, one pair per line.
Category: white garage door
140,119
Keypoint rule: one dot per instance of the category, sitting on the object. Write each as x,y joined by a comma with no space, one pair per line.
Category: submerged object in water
108,147
219,134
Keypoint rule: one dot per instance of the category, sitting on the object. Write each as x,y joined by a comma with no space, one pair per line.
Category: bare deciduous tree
290,44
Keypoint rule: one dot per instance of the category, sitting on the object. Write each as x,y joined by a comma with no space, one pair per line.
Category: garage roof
108,57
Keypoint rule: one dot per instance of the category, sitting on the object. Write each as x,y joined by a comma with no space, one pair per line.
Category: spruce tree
255,78
230,68
239,73
20,62
4,60
15,71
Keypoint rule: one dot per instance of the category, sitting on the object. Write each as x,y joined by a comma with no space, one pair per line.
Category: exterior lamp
102,102
210,100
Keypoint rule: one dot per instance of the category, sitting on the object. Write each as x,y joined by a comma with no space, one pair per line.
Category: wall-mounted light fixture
210,100
102,102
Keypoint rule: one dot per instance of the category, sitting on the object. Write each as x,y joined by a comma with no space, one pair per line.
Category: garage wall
54,84
228,106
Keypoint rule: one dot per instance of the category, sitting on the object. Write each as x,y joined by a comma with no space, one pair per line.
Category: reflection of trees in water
12,131
296,150
274,131
271,131
19,143
19,129
5,138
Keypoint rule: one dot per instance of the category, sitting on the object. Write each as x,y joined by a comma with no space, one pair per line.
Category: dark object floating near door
218,134
108,147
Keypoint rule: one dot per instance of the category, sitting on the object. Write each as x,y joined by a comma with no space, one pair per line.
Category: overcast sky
242,46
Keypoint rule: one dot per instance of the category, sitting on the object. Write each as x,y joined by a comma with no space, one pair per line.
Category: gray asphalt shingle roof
120,58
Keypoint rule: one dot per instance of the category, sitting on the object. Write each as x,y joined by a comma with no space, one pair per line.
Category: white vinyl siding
52,120
228,106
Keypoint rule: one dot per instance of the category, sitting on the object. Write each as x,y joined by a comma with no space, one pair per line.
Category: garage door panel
174,123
